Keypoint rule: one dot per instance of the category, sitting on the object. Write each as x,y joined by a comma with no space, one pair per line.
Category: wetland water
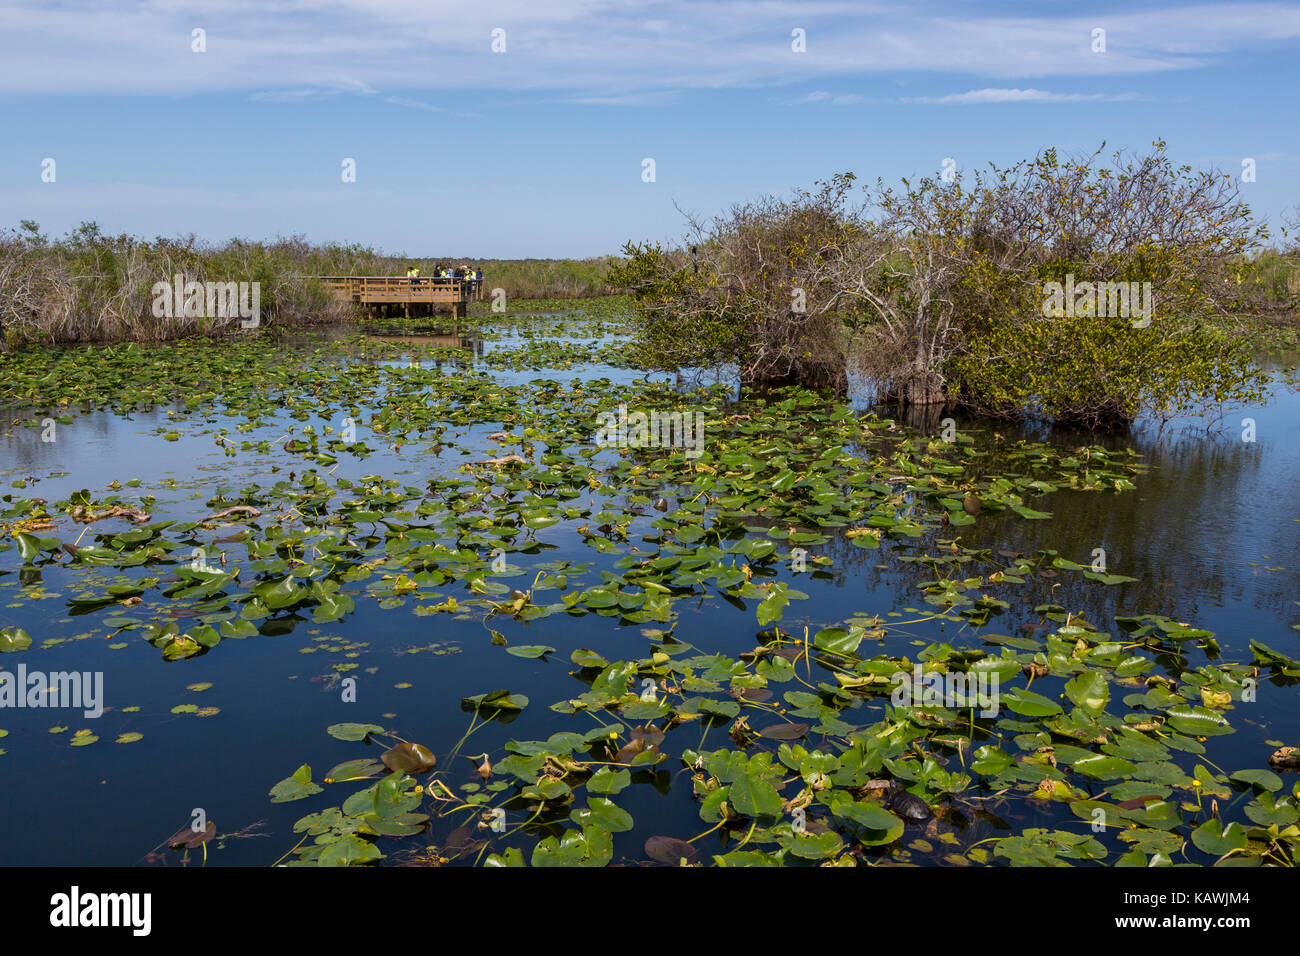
368,592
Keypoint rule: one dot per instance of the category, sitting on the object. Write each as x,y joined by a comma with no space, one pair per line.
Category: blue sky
538,150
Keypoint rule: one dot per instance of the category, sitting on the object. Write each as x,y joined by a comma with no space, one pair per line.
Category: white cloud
646,98
997,95
293,96
821,96
413,104
592,49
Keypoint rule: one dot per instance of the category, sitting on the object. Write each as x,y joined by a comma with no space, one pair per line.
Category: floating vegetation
833,771
674,595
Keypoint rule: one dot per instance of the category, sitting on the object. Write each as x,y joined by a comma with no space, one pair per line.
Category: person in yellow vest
413,272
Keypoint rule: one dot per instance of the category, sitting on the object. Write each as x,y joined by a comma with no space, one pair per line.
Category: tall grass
1269,285
92,287
542,278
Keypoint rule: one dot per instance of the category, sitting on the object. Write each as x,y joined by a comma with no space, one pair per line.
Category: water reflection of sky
1210,533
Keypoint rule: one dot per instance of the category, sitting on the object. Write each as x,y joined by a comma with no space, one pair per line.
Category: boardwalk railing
380,289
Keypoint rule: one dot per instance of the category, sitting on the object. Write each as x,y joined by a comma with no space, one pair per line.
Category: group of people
441,271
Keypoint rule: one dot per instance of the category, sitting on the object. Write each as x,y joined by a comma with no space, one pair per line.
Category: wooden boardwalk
401,290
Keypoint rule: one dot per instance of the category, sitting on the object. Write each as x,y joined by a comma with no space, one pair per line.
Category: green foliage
667,338
1098,372
758,289
937,290
1169,244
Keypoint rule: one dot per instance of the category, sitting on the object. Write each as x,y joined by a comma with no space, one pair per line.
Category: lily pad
409,758
296,787
670,851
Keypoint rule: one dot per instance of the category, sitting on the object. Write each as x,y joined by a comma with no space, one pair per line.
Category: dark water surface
1212,533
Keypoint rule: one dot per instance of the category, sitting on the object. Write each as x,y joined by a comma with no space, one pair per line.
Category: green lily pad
296,787
496,700
530,650
1215,839
353,731
14,639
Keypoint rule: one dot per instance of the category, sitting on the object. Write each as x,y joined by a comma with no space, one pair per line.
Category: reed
92,287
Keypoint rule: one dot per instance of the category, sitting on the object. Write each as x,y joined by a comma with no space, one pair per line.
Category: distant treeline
91,287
